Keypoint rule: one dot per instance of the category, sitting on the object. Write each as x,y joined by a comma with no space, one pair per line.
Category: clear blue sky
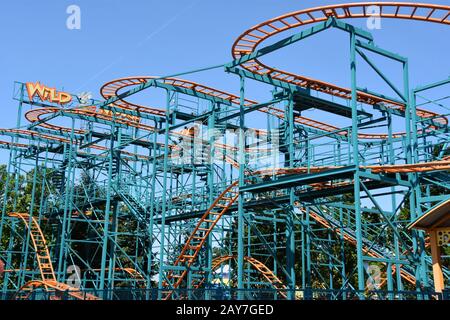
136,37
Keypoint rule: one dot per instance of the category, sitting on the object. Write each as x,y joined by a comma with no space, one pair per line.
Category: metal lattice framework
114,199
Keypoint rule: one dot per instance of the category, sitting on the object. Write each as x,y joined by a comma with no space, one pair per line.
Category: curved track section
198,237
27,289
40,245
133,273
258,265
136,275
375,252
36,115
33,135
44,262
248,42
114,87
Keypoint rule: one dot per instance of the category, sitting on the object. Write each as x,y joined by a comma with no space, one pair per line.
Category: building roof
436,217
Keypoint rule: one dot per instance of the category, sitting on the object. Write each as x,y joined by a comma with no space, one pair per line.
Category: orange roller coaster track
36,135
113,88
248,42
443,164
26,290
27,134
206,224
200,234
44,263
35,116
133,273
178,271
258,265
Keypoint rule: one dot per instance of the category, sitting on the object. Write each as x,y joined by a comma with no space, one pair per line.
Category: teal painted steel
121,201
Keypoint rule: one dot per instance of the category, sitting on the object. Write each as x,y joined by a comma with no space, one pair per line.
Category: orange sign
122,116
108,114
46,93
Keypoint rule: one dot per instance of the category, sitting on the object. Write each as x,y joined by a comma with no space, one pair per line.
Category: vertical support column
411,143
152,212
112,247
419,236
241,157
164,196
354,139
306,229
398,275
64,224
342,249
212,150
290,228
107,213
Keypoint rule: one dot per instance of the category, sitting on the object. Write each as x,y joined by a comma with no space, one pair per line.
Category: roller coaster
188,201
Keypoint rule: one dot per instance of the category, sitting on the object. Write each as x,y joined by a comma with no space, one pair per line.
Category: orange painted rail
248,42
44,263
198,237
258,265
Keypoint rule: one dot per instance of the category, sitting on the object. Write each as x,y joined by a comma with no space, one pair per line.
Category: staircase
282,135
58,177
125,140
137,209
203,176
195,243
